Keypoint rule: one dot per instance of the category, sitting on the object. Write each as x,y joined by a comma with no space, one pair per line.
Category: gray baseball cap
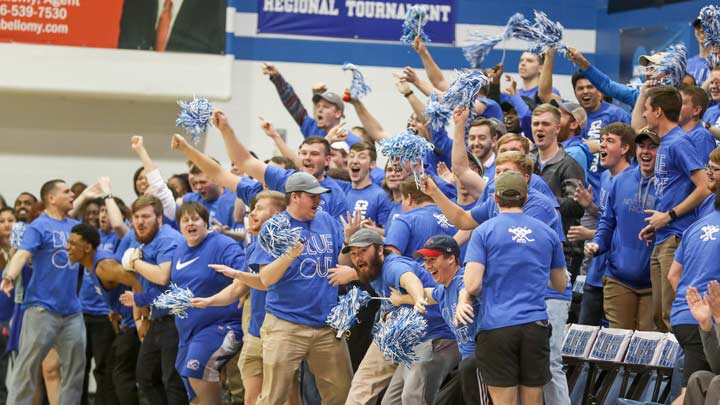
575,110
330,97
301,181
511,186
364,238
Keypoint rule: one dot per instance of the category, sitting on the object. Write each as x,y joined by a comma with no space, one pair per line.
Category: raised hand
220,120
578,58
352,224
337,133
409,75
341,275
460,115
714,299
699,308
269,69
104,185
584,196
419,45
511,90
136,143
178,142
268,128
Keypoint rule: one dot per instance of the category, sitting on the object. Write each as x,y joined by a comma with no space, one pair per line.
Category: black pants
464,386
125,349
689,338
100,335
157,378
591,307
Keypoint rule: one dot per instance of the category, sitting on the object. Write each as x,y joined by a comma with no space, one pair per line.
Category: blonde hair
519,159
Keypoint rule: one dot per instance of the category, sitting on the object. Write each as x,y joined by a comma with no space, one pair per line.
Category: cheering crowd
535,209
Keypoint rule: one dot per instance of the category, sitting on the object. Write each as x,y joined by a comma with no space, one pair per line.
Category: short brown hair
148,201
626,134
510,137
667,99
277,198
698,96
519,159
48,188
282,160
484,121
409,187
715,156
545,108
194,169
362,146
193,207
312,140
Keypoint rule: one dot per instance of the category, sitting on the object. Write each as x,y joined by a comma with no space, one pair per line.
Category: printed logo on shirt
181,265
462,332
593,134
318,255
442,221
660,170
362,206
520,234
60,258
193,364
709,232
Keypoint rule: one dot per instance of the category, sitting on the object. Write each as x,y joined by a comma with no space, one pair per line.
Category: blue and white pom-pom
399,335
710,21
195,117
464,89
712,60
407,147
16,234
550,35
358,86
479,45
437,113
415,19
176,299
673,65
343,316
276,237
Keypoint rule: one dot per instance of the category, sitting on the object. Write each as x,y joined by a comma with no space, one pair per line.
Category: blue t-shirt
442,151
395,212
412,229
303,294
518,252
372,201
346,186
697,67
109,241
54,282
447,299
90,298
596,270
393,268
531,93
111,297
333,203
703,141
159,250
712,115
377,175
310,127
222,208
492,109
596,121
247,188
699,254
707,207
675,161
190,270
627,257
536,182
257,297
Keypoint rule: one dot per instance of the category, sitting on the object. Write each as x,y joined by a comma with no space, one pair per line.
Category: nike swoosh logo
180,265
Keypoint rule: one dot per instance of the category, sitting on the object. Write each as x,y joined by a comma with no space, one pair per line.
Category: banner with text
356,19
198,25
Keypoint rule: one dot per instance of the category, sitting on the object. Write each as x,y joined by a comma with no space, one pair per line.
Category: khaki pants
628,308
663,294
286,344
373,375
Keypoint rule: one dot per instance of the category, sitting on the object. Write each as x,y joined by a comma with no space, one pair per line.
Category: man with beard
366,198
712,170
314,154
680,187
53,315
147,248
387,271
481,137
109,279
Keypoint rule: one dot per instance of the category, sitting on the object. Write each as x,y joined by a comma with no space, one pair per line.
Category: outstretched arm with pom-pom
470,179
209,167
545,85
273,272
237,152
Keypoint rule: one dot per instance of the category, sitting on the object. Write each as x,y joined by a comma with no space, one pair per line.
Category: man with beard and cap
53,315
147,248
386,272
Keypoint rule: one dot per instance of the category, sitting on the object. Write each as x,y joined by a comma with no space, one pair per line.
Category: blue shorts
204,354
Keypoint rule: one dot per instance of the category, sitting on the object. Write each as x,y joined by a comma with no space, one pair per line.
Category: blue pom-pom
399,335
343,316
437,113
16,234
712,60
358,86
407,147
415,19
550,35
176,299
464,89
195,117
673,65
479,46
276,236
710,21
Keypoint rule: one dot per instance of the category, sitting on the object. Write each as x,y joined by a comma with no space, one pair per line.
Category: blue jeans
556,391
42,330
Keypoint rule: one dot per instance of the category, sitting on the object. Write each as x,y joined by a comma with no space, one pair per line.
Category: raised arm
638,122
457,216
417,106
157,185
545,85
283,147
431,68
237,152
374,130
115,216
472,181
90,193
410,76
287,95
208,166
601,81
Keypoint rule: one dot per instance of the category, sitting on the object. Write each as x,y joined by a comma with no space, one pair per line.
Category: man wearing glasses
712,170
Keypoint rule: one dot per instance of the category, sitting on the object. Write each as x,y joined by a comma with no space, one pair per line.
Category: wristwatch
673,214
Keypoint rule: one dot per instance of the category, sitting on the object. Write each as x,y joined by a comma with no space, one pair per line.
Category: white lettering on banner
393,10
320,7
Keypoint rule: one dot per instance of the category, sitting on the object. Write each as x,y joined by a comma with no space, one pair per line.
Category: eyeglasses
711,168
